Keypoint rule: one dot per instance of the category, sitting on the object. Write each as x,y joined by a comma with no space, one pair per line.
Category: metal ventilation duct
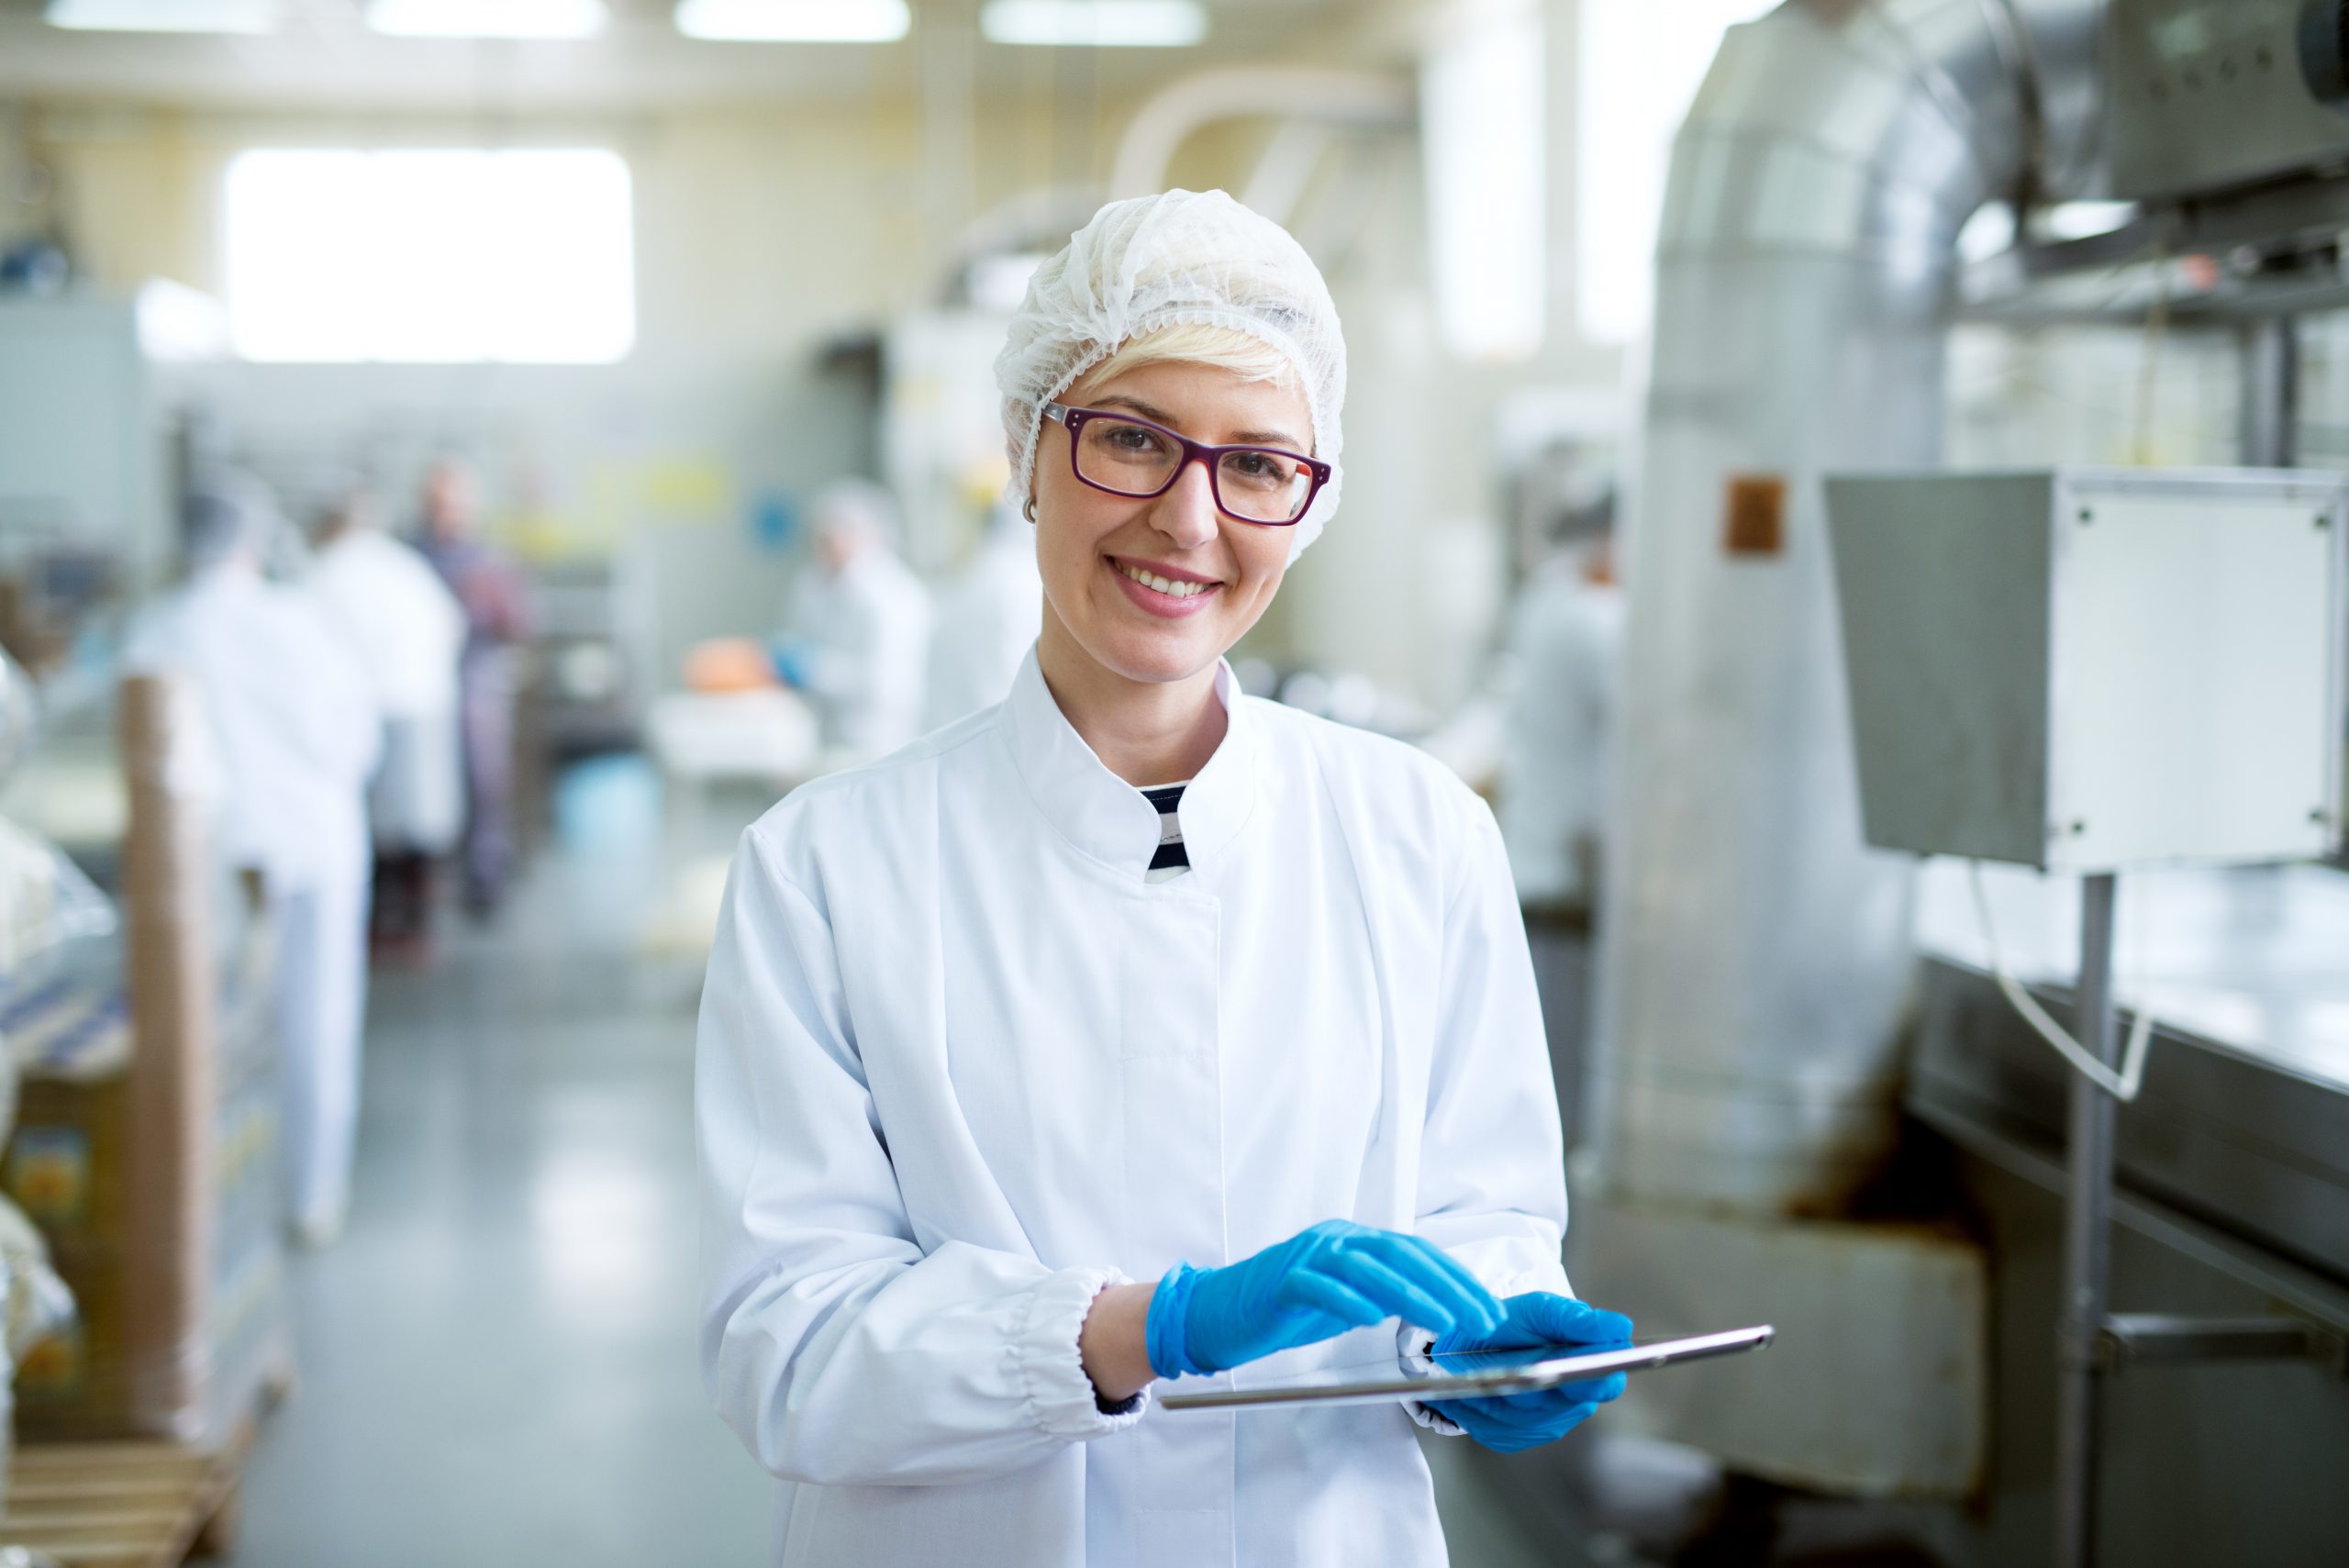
1757,959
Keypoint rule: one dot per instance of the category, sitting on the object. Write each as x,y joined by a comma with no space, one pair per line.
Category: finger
1553,1418
1459,1271
1429,1282
1402,1297
1562,1319
1334,1298
1434,1275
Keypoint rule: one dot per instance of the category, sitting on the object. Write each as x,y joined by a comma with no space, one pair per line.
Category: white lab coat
986,623
1568,638
867,630
407,630
961,1067
296,732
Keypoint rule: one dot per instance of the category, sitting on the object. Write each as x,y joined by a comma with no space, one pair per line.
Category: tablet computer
1467,1374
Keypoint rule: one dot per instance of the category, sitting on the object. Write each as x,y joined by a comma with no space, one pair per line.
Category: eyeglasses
1126,456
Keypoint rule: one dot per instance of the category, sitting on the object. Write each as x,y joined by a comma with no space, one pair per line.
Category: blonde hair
1194,343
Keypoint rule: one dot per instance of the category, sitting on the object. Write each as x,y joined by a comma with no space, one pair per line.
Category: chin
1158,661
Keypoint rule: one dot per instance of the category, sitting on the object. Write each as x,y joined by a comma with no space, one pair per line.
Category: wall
765,231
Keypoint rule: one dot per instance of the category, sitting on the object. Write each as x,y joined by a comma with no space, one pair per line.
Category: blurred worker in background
296,731
986,622
408,632
496,603
1566,639
860,626
1566,642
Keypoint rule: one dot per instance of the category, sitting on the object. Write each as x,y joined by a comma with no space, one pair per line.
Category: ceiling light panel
488,18
794,21
1095,24
163,15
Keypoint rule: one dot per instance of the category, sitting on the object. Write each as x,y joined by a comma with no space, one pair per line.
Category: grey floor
497,1360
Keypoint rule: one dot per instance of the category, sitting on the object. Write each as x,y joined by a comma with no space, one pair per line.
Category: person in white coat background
860,626
986,622
296,735
1566,642
1131,1029
408,631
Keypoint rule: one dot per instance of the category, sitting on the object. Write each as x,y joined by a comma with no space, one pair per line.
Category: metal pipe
2087,1228
1161,125
2271,392
1755,956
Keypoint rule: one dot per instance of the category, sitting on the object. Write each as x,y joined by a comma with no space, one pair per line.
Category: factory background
1725,310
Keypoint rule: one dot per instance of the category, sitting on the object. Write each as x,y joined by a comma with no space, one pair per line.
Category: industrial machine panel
2090,669
2207,94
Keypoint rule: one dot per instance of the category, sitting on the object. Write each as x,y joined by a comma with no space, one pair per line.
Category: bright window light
488,18
432,256
794,21
1482,129
1640,64
164,15
1095,24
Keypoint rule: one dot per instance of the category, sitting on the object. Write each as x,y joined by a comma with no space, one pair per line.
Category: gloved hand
1509,1422
1319,1284
794,660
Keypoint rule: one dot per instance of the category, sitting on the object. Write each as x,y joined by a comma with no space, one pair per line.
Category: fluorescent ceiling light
794,21
164,15
1096,24
488,18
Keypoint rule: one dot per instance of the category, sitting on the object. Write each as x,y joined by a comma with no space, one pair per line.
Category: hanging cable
2123,1085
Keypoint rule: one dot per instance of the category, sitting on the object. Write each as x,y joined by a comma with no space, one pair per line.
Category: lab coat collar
1105,817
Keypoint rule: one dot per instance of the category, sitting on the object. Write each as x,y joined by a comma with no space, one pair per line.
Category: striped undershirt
1170,862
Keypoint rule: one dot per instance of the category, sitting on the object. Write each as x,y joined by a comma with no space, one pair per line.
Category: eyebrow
1238,437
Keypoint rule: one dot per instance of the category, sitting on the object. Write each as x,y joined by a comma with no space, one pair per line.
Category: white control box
2087,670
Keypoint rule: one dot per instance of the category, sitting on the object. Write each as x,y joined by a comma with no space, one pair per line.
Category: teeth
1163,584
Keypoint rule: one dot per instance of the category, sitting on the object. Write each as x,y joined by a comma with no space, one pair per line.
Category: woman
1130,979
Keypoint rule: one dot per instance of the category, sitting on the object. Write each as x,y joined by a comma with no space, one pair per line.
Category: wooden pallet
124,1504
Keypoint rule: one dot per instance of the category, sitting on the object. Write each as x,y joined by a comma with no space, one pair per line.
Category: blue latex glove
794,660
1506,1423
1320,1282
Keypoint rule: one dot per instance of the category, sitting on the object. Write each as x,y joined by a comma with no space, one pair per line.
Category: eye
1261,468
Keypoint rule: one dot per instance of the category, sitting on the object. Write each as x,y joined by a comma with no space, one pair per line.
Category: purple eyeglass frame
1073,420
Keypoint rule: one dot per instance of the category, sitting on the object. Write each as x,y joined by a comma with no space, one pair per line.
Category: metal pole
2087,1232
2271,392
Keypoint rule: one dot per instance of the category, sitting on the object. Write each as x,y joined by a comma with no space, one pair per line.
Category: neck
1146,732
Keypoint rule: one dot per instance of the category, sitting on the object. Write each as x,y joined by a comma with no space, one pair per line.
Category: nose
1185,514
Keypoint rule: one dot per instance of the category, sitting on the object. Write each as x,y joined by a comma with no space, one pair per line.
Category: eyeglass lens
1255,483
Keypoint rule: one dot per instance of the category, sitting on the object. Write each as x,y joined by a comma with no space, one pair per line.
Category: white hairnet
225,513
857,506
1180,258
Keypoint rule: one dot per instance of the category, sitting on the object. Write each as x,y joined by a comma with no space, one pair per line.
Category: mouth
1163,591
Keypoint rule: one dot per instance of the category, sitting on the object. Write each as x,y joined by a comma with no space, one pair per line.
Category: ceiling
324,56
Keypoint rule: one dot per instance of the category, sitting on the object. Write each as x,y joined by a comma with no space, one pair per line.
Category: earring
1029,507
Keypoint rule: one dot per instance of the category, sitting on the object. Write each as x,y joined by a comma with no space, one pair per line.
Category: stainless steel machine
1769,1047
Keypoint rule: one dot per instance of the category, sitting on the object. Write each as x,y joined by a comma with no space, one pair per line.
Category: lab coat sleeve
1492,1162
837,1349
1492,1172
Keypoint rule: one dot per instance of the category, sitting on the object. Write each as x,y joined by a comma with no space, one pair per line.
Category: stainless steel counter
2243,1120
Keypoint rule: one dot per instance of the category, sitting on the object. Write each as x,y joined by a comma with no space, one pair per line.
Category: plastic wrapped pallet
146,1149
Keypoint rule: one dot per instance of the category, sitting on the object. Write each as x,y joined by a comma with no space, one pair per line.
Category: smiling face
1156,590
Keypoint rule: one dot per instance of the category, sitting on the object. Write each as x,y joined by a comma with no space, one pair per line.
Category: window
1481,113
1640,64
431,256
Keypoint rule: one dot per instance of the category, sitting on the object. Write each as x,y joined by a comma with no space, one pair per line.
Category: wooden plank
125,1504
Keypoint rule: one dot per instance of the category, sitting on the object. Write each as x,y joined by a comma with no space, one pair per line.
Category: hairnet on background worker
296,732
1128,978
